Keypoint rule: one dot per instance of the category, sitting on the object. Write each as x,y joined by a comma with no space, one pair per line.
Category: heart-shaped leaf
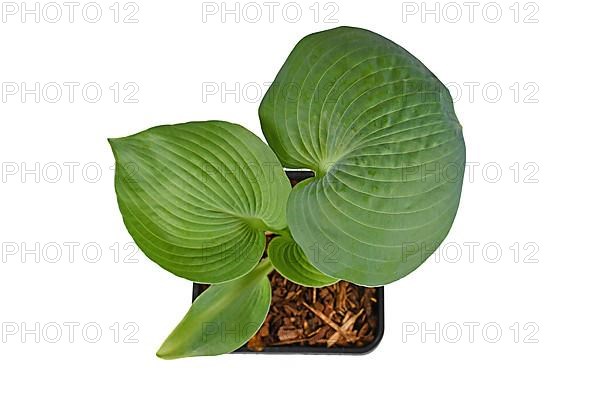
198,197
291,262
380,132
222,318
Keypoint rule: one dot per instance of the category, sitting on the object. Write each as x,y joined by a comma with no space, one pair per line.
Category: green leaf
198,197
291,262
222,318
380,132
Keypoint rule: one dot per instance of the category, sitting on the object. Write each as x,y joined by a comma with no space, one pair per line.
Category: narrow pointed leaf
289,260
380,132
198,197
222,318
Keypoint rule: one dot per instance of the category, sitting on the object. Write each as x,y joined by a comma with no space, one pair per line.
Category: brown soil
342,314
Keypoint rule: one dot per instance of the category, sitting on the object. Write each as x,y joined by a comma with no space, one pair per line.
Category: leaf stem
264,266
259,224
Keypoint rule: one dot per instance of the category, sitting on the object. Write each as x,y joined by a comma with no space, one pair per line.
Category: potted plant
379,132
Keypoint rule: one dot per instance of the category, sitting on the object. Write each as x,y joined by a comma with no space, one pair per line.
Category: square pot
375,317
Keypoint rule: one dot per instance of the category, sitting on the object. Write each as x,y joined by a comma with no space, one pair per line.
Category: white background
177,50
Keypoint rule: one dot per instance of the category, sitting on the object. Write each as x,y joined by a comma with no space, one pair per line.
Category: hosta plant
380,133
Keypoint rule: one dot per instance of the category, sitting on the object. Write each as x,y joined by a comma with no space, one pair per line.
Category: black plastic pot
299,175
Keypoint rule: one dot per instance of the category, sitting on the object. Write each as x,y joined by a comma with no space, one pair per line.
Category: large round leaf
222,318
380,132
197,197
